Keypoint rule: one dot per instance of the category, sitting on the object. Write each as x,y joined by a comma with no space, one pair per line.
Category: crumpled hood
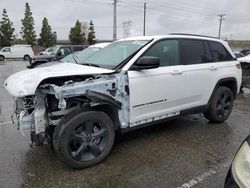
25,83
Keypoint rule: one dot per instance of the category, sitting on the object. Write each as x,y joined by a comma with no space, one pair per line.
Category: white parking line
198,179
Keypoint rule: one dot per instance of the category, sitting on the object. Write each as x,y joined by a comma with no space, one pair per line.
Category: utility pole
221,19
144,20
114,22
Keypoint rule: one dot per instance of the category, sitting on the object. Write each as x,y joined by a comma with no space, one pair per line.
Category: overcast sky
163,16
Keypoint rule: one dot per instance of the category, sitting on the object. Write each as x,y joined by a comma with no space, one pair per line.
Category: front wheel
220,106
85,138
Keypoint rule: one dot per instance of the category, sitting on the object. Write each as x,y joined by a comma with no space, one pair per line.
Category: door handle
212,68
176,72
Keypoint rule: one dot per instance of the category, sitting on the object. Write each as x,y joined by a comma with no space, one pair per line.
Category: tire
220,106
84,138
26,57
2,58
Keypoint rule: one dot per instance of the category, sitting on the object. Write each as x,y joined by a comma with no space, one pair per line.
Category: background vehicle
245,52
238,174
57,54
238,54
245,65
16,51
79,57
129,84
47,51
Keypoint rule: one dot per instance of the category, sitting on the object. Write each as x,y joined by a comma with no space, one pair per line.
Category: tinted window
208,53
192,52
77,48
219,52
167,51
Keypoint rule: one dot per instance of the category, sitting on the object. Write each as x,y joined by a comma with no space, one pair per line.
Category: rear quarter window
219,52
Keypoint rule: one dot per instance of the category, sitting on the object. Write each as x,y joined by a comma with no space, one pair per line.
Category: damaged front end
39,115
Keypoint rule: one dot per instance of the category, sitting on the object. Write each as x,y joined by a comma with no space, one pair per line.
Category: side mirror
59,53
147,62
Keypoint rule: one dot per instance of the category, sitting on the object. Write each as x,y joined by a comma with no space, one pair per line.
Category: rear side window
220,53
192,52
77,48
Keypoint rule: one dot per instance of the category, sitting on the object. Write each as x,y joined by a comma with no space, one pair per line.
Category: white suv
129,84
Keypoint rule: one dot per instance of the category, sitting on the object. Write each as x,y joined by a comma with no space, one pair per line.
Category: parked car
238,54
129,84
47,51
245,52
245,65
80,57
16,51
57,54
238,174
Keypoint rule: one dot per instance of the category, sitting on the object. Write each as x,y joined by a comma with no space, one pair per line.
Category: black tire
2,58
220,106
84,138
26,57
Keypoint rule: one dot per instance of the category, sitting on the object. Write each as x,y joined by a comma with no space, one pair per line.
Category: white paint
25,83
198,179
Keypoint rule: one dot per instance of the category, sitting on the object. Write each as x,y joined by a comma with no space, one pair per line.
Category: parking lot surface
188,152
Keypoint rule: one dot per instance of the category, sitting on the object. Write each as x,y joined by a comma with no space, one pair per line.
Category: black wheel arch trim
102,98
220,83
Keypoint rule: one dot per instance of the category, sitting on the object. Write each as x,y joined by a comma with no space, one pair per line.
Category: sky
162,16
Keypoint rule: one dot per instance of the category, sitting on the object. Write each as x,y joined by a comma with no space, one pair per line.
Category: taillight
238,66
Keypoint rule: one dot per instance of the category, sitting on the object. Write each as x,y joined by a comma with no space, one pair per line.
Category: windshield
53,51
115,53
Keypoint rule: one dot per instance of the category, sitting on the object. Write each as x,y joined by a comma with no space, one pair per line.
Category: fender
103,98
224,81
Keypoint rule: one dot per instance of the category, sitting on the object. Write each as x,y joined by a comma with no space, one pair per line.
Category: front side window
219,52
192,52
167,51
6,50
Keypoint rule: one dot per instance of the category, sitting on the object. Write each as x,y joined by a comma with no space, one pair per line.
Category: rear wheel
26,57
2,58
84,139
220,106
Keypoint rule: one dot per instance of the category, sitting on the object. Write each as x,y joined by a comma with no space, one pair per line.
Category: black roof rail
192,35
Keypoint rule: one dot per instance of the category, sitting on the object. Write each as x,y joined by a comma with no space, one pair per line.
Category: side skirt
195,110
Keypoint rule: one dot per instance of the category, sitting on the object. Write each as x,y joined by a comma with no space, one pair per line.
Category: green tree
91,34
6,30
27,31
47,37
76,36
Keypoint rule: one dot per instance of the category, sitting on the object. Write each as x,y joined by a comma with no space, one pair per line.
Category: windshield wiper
90,64
73,54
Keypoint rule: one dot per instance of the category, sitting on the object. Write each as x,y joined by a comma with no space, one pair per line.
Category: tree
6,30
47,37
76,36
27,31
91,34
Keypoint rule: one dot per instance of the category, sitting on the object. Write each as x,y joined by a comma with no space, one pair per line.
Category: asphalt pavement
188,152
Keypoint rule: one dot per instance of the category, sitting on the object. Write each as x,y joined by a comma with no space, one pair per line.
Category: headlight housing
241,166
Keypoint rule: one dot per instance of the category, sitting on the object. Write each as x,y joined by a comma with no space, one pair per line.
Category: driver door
157,93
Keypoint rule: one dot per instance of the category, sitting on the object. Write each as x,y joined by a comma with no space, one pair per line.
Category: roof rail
192,35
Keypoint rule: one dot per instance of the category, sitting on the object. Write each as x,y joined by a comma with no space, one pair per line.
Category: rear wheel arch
230,83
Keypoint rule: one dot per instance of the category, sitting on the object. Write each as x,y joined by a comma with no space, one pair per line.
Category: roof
158,37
